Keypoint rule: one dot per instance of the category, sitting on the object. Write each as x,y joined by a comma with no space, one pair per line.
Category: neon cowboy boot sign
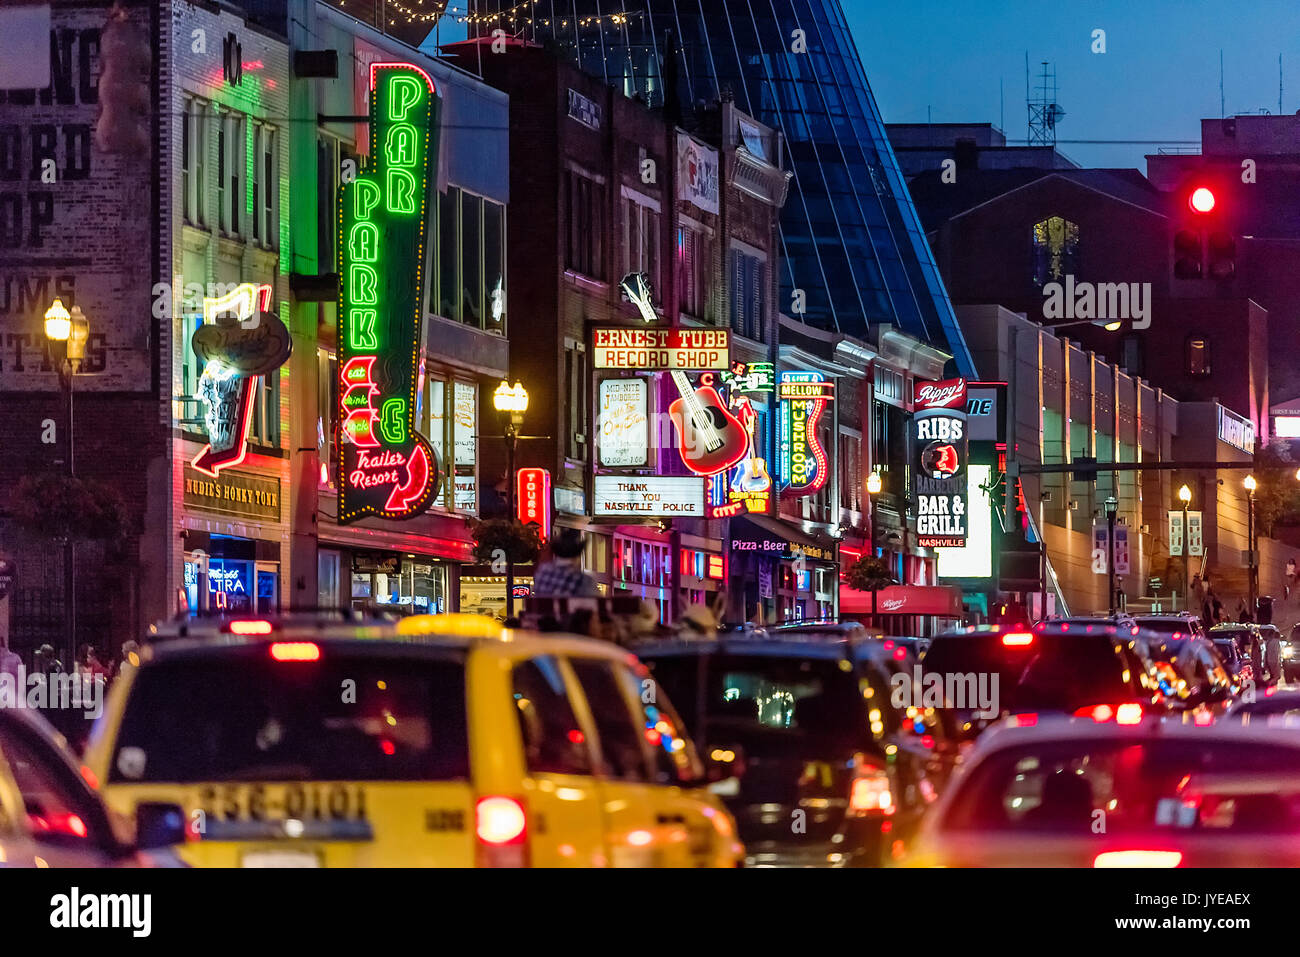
239,340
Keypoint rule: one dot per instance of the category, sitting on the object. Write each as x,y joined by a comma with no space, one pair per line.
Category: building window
230,172
1130,354
449,254
266,181
641,241
449,420
694,259
264,423
327,397
575,381
464,443
468,261
585,202
748,294
193,144
1198,356
494,266
850,453
1056,250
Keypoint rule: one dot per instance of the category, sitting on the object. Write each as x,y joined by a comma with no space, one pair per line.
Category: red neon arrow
209,462
417,479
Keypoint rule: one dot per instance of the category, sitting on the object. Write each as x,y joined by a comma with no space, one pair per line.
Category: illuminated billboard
386,469
975,558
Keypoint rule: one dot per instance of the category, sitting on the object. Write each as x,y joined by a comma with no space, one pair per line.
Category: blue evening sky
1157,79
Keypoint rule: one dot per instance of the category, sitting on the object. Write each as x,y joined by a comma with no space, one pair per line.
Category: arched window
1056,250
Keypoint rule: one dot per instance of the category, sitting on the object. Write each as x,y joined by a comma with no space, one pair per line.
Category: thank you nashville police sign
939,453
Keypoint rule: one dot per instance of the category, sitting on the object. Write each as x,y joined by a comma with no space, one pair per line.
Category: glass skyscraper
851,239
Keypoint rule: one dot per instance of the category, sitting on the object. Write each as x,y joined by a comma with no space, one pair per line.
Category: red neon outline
539,502
220,460
681,433
394,64
402,495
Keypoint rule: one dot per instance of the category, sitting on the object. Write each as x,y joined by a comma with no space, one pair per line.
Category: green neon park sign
386,468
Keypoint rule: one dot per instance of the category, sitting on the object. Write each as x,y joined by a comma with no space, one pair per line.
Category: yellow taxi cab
446,742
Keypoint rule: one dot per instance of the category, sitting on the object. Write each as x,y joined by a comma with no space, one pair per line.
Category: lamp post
1185,496
1251,485
512,402
67,332
873,489
1112,506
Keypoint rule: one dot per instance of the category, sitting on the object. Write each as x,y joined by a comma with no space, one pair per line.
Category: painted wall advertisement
697,174
66,172
939,452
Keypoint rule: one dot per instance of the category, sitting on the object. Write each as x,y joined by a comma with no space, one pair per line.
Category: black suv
809,740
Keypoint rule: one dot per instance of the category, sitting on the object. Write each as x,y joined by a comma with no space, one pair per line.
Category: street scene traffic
688,435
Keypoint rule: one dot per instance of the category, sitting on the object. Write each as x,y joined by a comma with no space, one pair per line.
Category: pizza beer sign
939,453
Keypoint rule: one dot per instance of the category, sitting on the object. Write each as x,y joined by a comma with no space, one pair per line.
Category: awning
941,600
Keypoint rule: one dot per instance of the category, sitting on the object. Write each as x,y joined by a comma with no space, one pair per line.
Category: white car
1071,792
50,816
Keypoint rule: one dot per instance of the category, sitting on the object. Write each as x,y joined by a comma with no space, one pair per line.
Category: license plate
301,802
280,859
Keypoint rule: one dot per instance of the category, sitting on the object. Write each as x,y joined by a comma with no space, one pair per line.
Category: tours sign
939,451
386,468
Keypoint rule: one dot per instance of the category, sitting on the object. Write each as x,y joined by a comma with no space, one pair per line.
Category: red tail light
1138,859
295,651
1100,713
1017,639
251,627
501,824
1027,720
871,793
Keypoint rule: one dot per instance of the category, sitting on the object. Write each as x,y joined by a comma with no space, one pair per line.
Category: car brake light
1138,859
1203,719
295,651
1129,713
501,824
1027,720
1017,639
871,792
250,627
1100,713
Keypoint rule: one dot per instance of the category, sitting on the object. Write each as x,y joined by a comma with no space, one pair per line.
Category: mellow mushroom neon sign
386,468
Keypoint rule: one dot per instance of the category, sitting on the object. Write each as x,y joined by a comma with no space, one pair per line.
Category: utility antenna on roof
1044,111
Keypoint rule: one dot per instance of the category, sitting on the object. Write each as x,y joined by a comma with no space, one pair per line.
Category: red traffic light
1201,200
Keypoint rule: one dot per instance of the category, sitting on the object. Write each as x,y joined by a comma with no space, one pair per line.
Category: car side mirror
158,824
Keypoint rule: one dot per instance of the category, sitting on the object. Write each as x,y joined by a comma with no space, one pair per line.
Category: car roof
428,646
1059,729
759,645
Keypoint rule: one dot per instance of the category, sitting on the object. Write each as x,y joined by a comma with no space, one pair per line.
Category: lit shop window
449,420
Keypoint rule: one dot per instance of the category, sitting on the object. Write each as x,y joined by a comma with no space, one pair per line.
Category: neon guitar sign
386,468
710,438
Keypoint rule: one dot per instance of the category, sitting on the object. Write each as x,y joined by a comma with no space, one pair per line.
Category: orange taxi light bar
295,651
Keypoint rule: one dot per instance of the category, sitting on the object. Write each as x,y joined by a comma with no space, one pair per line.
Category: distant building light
1286,426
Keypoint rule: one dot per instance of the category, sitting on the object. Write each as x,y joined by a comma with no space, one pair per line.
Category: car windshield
1051,672
771,705
1154,784
1227,649
345,717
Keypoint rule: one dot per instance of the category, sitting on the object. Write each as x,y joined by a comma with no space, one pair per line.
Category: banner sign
805,466
1195,538
655,349
939,449
386,468
1176,533
1121,550
623,423
233,493
697,174
238,340
1236,431
648,496
1100,550
533,499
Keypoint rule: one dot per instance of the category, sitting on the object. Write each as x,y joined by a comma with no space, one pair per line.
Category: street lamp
66,333
874,485
1112,506
1251,485
512,402
1185,496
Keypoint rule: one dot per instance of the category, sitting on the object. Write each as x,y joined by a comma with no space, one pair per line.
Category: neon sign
939,444
804,396
747,485
238,340
533,499
386,468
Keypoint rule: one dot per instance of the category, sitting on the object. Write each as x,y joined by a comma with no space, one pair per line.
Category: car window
58,812
1132,786
553,739
620,735
675,760
345,717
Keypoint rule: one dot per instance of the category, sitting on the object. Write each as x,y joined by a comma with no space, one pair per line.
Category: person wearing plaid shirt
562,576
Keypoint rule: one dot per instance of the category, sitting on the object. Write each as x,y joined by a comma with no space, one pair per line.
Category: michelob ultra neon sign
386,468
